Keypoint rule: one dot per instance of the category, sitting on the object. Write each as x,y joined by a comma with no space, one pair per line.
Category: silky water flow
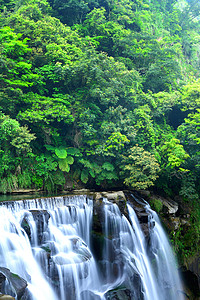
48,243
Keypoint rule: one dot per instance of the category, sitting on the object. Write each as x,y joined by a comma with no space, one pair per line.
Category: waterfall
48,242
163,259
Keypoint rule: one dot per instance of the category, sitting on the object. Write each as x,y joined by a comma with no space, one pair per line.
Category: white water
58,263
164,264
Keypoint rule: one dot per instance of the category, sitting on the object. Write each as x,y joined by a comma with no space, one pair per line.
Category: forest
105,93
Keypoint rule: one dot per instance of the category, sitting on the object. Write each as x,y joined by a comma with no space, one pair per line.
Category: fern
86,163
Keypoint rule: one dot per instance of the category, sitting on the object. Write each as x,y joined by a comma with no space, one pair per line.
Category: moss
156,204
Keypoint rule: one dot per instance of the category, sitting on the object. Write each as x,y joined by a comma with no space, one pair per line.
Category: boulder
6,297
17,283
169,206
114,196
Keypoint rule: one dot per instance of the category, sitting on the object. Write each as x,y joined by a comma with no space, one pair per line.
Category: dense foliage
106,93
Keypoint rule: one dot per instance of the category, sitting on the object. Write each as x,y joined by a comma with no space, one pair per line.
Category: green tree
140,168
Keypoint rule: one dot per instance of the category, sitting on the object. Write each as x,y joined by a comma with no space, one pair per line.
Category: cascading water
48,243
164,263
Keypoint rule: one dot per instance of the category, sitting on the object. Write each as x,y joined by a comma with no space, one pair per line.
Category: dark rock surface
119,294
16,283
41,218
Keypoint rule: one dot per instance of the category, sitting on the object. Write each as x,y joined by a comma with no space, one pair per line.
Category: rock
41,218
191,282
121,294
98,196
175,222
26,295
25,191
17,283
2,280
145,193
116,196
81,191
90,295
80,253
192,273
169,206
6,297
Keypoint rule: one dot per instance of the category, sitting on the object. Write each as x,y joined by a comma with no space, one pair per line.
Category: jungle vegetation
105,93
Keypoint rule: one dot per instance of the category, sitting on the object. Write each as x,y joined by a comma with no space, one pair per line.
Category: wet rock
143,216
2,280
41,218
121,294
17,283
80,253
145,229
26,295
89,295
114,197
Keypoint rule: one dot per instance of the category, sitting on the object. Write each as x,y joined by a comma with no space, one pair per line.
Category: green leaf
63,165
74,151
61,152
92,173
108,166
49,147
84,176
70,160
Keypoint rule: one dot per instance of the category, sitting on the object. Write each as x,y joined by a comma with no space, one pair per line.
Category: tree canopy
106,92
